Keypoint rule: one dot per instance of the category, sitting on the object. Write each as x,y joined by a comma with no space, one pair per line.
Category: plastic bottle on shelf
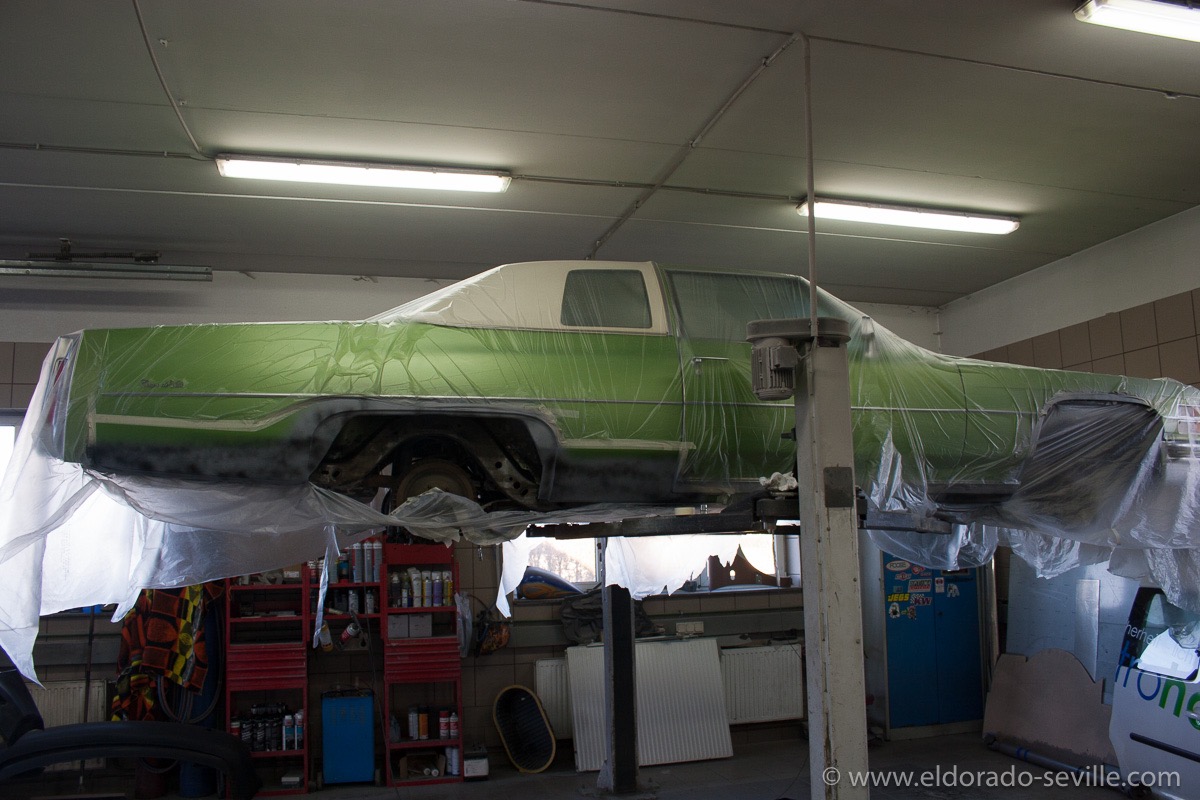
423,723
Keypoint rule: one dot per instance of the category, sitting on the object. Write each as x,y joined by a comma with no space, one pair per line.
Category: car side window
605,298
718,306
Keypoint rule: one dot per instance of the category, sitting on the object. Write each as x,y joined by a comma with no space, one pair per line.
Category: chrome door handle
698,360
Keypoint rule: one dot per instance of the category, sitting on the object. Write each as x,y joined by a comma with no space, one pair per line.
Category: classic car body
549,384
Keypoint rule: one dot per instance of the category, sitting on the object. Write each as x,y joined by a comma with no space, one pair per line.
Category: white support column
837,723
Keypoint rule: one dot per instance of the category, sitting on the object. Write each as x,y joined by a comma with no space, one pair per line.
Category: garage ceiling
1011,106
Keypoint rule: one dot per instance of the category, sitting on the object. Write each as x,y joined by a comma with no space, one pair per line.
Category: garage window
605,298
648,565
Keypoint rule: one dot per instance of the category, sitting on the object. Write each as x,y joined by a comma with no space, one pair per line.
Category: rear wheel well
373,451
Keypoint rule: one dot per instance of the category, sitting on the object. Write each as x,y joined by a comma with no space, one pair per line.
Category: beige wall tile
1138,329
1196,307
1104,334
490,680
1075,345
752,601
719,603
1113,365
525,675
1021,353
1180,360
1143,363
787,599
536,612
27,361
1174,317
6,361
1047,352
22,393
6,395
999,354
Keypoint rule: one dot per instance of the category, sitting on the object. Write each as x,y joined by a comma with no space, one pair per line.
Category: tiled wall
20,364
1155,340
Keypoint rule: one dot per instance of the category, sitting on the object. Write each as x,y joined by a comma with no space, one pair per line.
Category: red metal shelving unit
266,661
421,670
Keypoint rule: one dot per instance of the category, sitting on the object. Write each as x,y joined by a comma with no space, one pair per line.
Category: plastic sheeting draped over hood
1065,468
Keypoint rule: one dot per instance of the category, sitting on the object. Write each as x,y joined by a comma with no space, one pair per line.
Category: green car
552,384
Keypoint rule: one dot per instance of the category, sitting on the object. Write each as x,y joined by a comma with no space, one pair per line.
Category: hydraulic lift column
788,358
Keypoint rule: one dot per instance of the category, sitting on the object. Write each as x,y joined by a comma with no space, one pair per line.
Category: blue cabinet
934,673
348,737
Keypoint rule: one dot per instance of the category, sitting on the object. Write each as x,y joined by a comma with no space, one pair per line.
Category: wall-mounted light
1144,16
394,176
36,268
909,216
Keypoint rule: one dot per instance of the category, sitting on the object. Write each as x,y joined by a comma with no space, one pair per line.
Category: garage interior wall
1130,305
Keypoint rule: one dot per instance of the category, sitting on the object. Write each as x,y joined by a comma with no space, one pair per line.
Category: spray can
423,723
437,588
413,723
367,560
426,588
377,561
443,724
452,763
453,728
325,638
356,562
369,601
353,601
298,730
289,732
352,630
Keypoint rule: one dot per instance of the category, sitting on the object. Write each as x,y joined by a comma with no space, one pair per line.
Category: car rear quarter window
605,298
718,305
1161,637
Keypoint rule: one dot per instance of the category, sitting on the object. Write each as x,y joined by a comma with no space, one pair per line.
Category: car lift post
788,358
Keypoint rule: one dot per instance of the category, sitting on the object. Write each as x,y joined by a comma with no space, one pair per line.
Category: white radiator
761,684
553,687
680,707
61,703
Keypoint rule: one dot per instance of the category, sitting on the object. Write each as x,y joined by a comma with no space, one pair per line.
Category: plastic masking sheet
165,456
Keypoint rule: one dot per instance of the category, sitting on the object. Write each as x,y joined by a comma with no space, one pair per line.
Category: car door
1155,727
730,436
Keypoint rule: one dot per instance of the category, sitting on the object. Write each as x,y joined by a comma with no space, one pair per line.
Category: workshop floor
770,771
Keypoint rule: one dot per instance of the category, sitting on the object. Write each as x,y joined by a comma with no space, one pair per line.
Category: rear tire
435,473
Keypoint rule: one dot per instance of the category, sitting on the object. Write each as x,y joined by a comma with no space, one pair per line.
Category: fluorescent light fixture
909,217
1144,16
359,174
35,268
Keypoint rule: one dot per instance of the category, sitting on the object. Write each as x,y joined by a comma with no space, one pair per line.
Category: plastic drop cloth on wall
163,456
